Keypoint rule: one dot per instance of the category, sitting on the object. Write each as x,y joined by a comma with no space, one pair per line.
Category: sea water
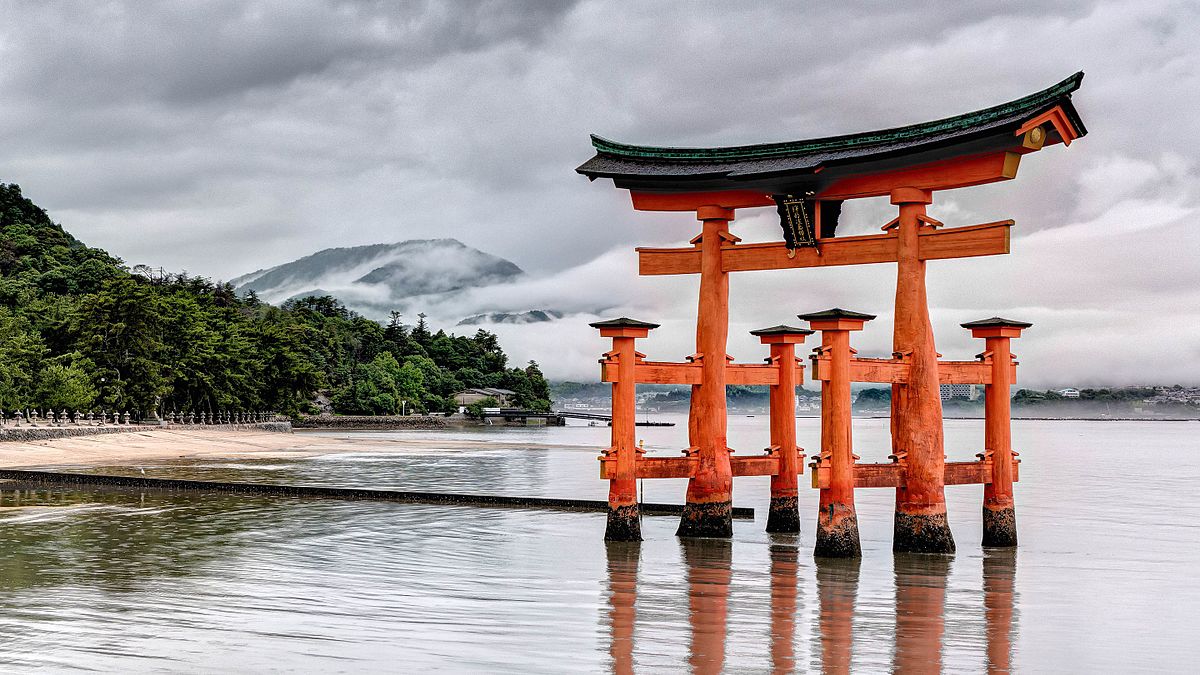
1104,579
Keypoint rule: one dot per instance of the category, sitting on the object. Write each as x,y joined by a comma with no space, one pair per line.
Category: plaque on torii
807,182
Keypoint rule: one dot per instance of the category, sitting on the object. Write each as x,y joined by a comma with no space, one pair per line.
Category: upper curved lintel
778,165
1033,103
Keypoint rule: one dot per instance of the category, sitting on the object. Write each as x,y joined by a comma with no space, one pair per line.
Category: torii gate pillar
999,512
917,438
784,514
708,511
624,516
837,520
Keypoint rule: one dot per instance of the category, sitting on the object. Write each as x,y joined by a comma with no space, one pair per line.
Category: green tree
21,354
65,386
121,331
539,388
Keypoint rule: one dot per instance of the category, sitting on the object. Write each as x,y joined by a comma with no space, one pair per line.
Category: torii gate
807,181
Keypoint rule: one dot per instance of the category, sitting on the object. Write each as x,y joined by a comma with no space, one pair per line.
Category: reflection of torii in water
807,181
920,607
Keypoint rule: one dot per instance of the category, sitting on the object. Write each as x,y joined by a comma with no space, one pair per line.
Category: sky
224,137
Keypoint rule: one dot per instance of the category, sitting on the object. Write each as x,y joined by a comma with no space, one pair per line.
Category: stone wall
26,434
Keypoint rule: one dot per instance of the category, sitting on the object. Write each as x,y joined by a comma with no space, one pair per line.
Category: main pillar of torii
807,182
920,524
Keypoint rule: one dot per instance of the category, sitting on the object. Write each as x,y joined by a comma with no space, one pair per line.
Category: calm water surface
1105,578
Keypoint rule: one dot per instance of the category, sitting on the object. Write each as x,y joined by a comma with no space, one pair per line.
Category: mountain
532,316
379,278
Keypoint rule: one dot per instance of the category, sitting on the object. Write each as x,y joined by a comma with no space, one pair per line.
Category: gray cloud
225,137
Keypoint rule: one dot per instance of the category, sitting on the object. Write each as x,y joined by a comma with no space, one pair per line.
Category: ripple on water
166,582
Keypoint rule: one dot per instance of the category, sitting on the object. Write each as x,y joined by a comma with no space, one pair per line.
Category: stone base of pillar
999,526
784,515
710,519
837,534
624,524
922,533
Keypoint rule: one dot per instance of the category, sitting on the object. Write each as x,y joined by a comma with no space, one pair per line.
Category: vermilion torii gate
807,181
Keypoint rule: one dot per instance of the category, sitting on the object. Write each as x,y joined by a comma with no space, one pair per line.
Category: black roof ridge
996,322
623,322
782,329
1032,103
835,313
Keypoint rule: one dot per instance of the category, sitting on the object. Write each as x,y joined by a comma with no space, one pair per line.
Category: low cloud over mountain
378,279
532,316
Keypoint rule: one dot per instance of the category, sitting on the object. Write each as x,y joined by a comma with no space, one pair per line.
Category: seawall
28,434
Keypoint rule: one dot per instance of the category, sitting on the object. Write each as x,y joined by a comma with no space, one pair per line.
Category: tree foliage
79,329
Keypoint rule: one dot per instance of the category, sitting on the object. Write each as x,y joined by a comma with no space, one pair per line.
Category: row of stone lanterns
35,418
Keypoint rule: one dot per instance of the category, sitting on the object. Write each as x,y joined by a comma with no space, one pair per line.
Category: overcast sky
221,137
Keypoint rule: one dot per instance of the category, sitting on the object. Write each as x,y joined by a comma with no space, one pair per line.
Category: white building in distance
969,392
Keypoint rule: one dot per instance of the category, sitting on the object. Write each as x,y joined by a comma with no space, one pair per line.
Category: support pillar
708,510
999,509
837,521
784,514
624,517
917,436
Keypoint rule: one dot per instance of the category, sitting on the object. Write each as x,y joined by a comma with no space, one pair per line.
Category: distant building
1069,392
969,392
468,396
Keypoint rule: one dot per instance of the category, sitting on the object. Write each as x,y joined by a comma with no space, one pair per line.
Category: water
1104,579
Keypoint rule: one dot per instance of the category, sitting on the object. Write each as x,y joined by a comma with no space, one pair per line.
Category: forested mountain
78,329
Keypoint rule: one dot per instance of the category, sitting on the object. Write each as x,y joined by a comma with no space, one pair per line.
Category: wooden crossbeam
685,467
887,474
761,465
891,475
895,371
661,372
946,174
969,372
956,242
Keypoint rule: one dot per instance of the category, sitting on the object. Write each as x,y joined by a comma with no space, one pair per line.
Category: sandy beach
154,445
167,444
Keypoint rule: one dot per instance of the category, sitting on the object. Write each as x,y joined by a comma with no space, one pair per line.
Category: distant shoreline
964,417
809,414
1066,419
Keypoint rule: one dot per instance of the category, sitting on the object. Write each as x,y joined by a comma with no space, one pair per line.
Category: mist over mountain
375,280
532,316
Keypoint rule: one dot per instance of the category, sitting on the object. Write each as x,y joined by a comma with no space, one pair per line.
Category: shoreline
159,444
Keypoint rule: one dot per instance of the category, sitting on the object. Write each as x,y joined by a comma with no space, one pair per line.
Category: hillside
79,330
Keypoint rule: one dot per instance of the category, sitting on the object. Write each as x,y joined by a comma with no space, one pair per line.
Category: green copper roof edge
1032,102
